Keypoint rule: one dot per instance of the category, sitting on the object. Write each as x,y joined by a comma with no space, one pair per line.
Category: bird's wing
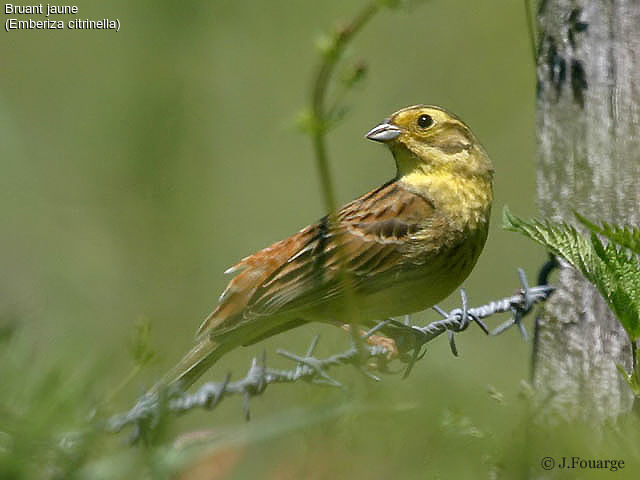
370,237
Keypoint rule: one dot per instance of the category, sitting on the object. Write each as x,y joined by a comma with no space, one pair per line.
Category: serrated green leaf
611,269
620,280
626,236
560,238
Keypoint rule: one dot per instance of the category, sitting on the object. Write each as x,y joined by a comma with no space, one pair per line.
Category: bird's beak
384,132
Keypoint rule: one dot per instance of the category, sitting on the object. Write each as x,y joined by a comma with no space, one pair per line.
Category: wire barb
527,298
410,339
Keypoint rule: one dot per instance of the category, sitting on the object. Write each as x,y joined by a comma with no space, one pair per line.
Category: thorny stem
320,124
321,83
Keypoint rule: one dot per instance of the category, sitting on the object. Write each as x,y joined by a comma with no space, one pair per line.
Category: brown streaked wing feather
251,272
370,236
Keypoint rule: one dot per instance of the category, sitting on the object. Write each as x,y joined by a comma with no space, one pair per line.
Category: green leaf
625,236
140,346
560,238
620,281
611,269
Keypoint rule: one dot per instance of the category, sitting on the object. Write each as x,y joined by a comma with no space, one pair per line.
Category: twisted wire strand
148,410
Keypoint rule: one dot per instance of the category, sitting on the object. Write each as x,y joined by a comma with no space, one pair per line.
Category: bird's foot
377,340
389,344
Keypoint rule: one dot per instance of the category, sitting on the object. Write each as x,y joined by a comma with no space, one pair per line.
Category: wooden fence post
588,131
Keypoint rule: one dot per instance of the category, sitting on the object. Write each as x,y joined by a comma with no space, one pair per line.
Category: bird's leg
373,339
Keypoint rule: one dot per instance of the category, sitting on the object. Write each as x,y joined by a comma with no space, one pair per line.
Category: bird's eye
425,121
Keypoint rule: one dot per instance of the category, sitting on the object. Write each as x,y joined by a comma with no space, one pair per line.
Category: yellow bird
399,249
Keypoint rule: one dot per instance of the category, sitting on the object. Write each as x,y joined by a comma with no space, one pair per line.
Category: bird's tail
197,361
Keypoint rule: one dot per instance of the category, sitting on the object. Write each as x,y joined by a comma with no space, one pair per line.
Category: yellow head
438,157
430,140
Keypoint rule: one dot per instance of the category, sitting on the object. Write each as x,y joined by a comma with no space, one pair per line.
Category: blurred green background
136,166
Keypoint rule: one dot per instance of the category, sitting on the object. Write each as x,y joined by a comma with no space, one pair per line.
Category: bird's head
429,139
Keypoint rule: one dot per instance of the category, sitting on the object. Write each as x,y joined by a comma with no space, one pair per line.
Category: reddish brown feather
371,235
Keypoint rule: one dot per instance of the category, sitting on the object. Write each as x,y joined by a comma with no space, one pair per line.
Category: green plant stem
320,127
132,374
321,83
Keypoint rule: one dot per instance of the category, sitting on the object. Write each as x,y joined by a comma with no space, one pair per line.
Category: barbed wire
409,342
